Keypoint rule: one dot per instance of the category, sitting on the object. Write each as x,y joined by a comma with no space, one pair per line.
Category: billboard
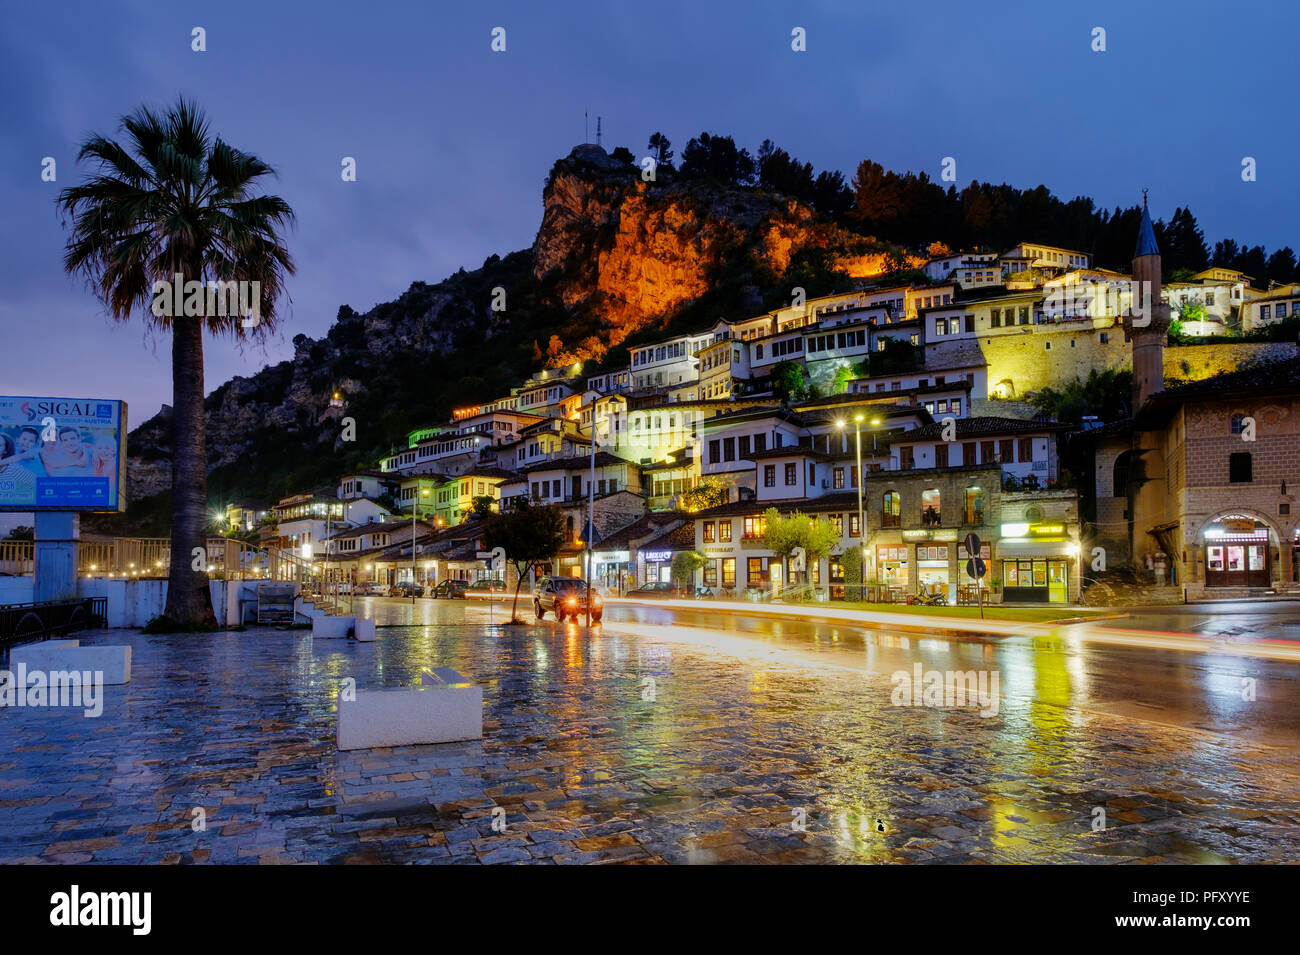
62,454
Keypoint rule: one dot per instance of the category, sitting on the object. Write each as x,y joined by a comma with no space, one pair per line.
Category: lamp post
591,507
415,510
862,524
862,528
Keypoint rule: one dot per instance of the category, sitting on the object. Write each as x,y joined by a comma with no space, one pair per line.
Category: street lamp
591,506
862,524
415,510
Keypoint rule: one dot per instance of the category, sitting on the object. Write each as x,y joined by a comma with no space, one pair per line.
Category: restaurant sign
921,534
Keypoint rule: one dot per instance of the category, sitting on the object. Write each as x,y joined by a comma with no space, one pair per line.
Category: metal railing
31,622
150,557
17,558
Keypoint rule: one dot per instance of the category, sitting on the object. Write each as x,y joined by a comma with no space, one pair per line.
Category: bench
445,708
327,627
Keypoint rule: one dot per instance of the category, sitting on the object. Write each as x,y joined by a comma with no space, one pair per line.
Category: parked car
451,589
567,598
406,590
366,588
657,589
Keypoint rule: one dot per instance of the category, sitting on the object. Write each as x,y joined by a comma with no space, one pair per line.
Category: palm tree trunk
189,602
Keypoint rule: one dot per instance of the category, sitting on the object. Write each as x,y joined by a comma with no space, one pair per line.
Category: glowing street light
862,523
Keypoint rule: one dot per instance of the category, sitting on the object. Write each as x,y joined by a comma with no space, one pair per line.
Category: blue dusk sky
453,141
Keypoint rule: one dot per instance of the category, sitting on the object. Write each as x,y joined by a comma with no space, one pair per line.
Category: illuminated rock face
628,251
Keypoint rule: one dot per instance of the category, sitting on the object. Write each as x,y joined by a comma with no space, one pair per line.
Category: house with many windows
668,362
1026,451
1270,307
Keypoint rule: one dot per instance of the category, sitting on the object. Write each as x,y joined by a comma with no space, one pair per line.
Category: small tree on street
851,561
821,537
685,564
529,535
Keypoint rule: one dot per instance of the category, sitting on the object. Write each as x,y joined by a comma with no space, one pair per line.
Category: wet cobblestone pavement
733,752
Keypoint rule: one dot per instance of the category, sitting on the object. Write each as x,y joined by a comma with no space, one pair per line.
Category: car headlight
571,602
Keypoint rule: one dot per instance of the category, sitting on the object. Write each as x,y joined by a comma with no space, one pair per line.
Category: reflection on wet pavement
648,742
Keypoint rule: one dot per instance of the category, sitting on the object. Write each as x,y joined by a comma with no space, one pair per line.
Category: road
1202,681
1203,691
1235,619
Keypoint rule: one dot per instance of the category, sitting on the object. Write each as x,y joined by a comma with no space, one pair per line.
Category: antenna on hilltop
597,130
586,131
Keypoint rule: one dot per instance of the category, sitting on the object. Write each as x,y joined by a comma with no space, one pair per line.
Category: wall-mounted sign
929,535
1238,525
1037,531
62,454
656,556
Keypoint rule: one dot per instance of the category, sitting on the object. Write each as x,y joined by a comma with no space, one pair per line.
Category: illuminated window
891,506
930,516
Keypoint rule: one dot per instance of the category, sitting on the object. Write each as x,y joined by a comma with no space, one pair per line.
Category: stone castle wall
1195,362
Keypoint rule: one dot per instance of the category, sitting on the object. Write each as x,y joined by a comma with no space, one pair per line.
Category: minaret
1148,319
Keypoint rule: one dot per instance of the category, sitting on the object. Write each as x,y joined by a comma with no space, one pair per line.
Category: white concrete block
113,663
410,716
331,627
310,610
365,630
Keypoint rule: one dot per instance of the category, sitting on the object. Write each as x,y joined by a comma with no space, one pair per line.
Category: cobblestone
719,770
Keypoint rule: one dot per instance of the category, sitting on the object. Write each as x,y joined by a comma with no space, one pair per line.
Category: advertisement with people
62,454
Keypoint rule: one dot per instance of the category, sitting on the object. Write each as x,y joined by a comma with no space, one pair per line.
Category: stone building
1197,489
1206,476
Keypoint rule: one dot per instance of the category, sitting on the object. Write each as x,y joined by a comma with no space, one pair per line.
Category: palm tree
174,200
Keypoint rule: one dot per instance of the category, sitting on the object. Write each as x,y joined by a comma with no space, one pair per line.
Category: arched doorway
1238,551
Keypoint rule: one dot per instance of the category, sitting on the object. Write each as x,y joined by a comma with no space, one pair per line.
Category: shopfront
1035,563
612,570
930,551
719,570
932,569
1237,552
1035,580
892,566
656,566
